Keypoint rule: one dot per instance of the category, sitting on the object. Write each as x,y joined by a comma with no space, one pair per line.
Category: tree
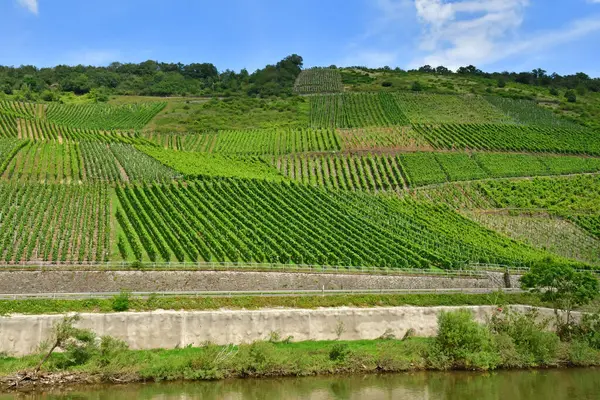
571,96
501,82
63,332
416,87
562,285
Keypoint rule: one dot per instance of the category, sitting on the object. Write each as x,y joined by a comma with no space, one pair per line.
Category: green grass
231,113
449,109
47,306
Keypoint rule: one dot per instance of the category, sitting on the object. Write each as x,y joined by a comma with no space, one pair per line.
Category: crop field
379,179
118,162
393,138
355,110
103,116
590,223
256,142
42,130
498,137
192,165
562,194
45,162
8,149
22,109
369,173
549,233
385,172
242,220
8,125
460,166
529,113
318,80
458,196
54,222
428,108
140,167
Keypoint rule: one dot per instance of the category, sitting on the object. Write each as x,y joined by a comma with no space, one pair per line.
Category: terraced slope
241,220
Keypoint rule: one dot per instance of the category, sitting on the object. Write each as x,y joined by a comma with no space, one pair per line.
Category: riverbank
269,359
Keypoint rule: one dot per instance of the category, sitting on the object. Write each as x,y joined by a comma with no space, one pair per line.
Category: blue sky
558,35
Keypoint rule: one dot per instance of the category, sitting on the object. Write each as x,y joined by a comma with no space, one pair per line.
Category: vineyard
192,165
550,233
319,80
243,221
45,162
384,172
422,108
384,179
257,142
54,222
499,137
355,110
529,113
394,138
103,117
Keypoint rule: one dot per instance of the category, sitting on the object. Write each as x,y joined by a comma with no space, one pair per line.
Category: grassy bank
508,340
45,306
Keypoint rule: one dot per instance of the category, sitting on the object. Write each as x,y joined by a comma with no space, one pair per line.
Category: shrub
260,358
581,354
464,342
554,91
339,352
588,330
501,83
571,96
386,84
121,302
416,87
77,350
110,348
532,341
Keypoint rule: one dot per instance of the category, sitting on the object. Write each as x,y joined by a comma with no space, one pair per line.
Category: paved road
272,293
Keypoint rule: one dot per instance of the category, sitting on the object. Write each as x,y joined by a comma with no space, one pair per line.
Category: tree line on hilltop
152,78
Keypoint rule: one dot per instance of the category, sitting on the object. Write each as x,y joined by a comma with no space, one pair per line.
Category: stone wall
156,281
22,334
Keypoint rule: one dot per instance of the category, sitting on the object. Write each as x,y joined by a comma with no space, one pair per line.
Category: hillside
353,168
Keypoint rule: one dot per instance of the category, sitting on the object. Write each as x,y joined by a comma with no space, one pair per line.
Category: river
571,384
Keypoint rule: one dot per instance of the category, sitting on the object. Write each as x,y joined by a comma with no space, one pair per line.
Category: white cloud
31,5
467,31
481,32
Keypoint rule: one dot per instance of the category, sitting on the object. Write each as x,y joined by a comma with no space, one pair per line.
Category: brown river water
563,384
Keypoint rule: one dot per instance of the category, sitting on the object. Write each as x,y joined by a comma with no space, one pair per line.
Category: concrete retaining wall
22,334
156,281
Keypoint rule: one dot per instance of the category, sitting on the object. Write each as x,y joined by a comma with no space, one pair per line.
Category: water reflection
581,384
